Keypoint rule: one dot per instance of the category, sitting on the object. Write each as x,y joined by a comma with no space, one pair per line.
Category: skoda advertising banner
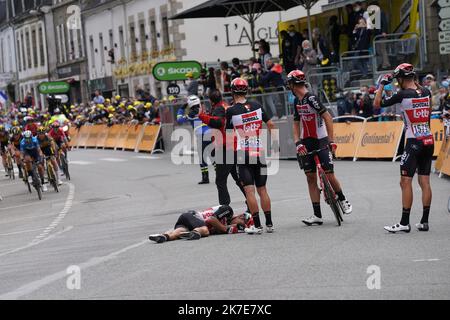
176,71
54,87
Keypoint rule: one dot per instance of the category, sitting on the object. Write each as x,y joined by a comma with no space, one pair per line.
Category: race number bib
421,130
248,126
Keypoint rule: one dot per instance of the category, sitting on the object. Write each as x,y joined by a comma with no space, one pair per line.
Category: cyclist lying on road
193,225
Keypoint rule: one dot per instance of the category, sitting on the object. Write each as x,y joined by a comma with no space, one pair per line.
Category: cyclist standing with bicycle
416,110
317,126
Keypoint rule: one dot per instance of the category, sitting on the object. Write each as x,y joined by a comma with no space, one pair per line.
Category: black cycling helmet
405,70
223,211
296,77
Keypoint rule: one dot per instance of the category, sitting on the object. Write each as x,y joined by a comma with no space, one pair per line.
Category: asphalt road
99,223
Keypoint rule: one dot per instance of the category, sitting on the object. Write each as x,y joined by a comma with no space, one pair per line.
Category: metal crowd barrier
351,63
394,49
325,80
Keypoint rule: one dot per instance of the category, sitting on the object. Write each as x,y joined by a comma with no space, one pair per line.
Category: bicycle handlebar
316,151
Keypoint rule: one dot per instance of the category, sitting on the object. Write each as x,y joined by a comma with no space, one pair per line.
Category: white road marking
113,160
19,232
82,163
36,243
27,205
148,157
61,215
44,235
36,285
426,260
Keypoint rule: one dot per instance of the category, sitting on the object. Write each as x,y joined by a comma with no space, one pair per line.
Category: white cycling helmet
193,101
27,134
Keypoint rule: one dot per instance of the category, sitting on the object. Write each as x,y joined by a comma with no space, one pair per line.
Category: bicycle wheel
330,198
10,167
25,179
65,166
37,184
52,177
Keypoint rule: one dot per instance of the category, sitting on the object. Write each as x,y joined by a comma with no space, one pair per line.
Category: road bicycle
325,186
36,181
10,165
64,163
51,173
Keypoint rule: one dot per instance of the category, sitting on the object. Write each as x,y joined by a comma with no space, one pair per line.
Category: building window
71,39
153,35
2,63
101,50
133,40
41,46
142,36
19,60
91,46
165,31
24,63
121,43
34,44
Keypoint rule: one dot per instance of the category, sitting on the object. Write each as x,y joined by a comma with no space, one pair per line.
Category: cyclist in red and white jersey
415,102
245,119
313,134
193,225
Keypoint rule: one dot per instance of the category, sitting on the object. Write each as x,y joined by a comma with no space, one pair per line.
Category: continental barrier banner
102,136
441,156
122,137
379,140
149,138
111,139
346,136
445,168
83,135
437,128
134,133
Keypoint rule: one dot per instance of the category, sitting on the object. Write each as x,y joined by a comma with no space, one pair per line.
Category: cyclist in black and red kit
316,128
246,119
193,225
416,106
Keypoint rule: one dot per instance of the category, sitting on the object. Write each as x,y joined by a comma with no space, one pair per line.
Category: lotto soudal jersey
208,214
247,121
416,112
309,112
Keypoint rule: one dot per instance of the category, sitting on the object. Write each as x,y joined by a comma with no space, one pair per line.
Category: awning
336,4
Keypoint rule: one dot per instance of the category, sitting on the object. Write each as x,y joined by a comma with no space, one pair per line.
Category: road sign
54,87
444,25
444,13
444,48
173,89
177,70
444,3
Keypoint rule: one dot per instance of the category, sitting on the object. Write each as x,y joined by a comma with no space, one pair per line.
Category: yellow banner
346,136
380,140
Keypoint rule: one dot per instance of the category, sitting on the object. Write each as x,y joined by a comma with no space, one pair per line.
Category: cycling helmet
296,77
117,98
27,135
148,105
55,125
193,101
41,130
239,86
404,70
57,111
